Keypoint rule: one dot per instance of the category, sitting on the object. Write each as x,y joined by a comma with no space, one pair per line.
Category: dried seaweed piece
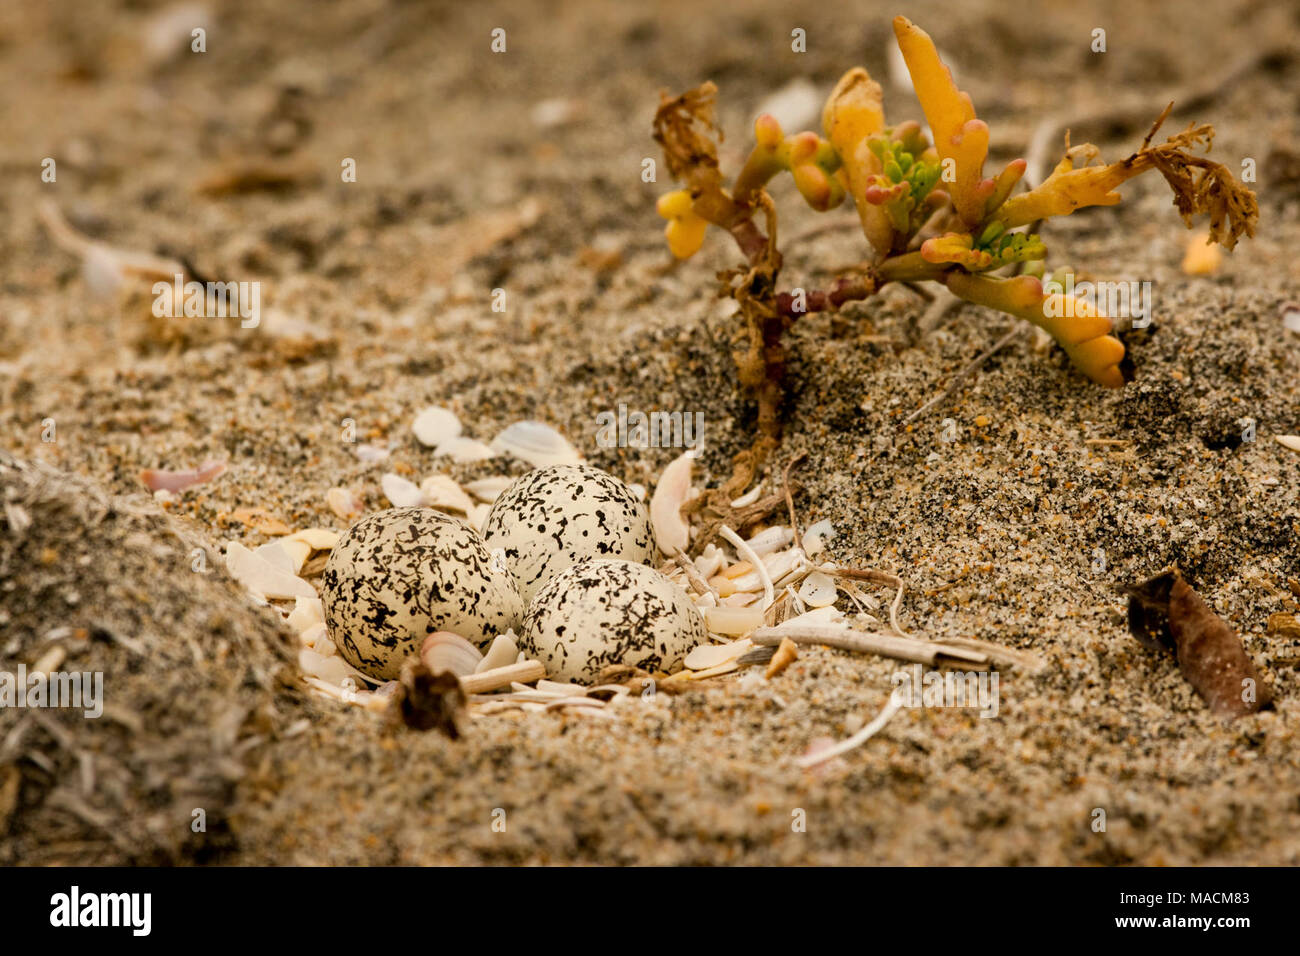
428,701
1165,613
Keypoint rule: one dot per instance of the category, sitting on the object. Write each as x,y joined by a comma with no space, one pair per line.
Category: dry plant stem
961,376
930,653
1133,114
693,573
878,577
857,740
524,672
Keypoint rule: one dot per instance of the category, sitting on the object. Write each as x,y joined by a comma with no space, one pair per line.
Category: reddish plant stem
845,289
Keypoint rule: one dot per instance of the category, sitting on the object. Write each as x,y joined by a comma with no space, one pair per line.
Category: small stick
910,649
747,553
961,376
693,573
879,577
524,672
789,498
857,740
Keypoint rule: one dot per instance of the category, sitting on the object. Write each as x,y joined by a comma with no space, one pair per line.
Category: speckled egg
600,612
552,518
397,576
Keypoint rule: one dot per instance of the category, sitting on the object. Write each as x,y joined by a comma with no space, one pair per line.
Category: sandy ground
377,302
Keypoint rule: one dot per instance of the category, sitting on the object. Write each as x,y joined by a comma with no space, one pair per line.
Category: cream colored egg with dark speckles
601,612
554,517
397,576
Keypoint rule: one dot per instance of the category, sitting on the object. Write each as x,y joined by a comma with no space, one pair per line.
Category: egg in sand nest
554,517
397,576
601,612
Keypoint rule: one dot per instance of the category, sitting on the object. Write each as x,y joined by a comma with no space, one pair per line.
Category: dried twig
857,740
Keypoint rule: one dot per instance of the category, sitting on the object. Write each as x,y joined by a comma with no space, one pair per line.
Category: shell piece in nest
709,563
332,670
733,620
444,651
770,539
371,454
489,489
671,529
401,492
820,617
306,613
345,503
815,538
536,443
442,492
273,553
464,449
1288,441
818,590
262,577
315,636
318,539
502,653
711,655
433,426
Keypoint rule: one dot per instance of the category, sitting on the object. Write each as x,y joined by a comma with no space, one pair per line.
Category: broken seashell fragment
444,651
1288,441
732,620
672,530
434,425
489,489
815,538
464,449
401,492
318,539
157,479
770,539
504,651
712,655
536,443
345,503
818,590
442,492
306,614
262,577
785,655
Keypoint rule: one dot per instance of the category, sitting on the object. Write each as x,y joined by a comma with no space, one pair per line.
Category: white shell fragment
401,492
503,652
712,655
397,576
1288,441
815,538
262,577
444,652
599,613
733,621
536,443
464,449
818,590
433,426
552,518
306,613
442,492
671,529
770,539
318,539
489,489
345,503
